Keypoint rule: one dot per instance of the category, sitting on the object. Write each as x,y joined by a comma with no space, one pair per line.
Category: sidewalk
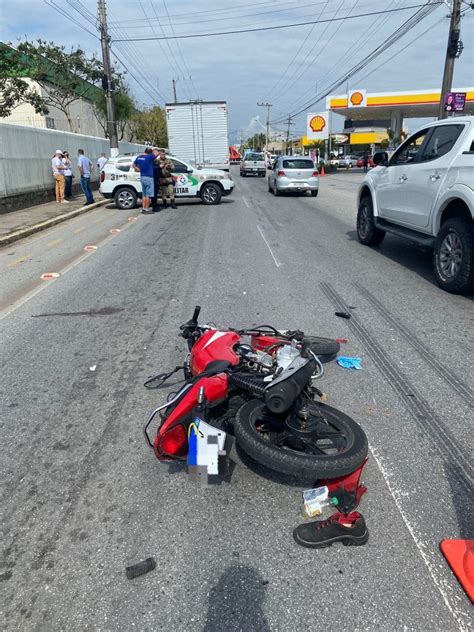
19,224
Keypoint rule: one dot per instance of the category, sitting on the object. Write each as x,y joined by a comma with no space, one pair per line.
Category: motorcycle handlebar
197,311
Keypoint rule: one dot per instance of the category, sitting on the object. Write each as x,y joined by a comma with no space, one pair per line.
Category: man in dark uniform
156,178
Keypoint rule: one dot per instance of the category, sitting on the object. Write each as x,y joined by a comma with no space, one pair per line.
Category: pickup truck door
392,200
425,177
184,180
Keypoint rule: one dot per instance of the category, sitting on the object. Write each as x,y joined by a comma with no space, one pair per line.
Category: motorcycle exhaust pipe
281,396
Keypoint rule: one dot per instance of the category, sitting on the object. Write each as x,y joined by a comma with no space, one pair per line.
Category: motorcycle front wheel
329,444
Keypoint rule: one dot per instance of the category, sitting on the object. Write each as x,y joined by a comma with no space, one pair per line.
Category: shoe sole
347,540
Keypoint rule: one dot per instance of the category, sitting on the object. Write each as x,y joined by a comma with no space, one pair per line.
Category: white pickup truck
425,193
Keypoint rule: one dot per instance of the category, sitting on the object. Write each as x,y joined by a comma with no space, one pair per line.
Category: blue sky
284,66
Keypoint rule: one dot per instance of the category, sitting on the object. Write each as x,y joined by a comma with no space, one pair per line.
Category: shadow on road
462,494
418,260
235,602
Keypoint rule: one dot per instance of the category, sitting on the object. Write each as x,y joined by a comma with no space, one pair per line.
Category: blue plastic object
349,363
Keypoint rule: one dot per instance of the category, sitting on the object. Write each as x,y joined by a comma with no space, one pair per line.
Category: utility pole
107,82
174,91
289,123
267,135
453,50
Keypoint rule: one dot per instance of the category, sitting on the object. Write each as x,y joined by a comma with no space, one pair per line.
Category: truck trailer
197,133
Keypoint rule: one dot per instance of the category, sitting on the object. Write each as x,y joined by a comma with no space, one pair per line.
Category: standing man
144,164
366,163
101,161
166,181
58,175
156,180
85,166
67,174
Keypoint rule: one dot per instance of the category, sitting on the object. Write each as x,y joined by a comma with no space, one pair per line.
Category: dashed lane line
20,260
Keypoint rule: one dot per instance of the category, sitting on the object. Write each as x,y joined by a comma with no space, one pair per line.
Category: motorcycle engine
257,361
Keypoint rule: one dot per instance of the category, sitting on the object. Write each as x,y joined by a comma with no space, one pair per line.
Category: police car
118,181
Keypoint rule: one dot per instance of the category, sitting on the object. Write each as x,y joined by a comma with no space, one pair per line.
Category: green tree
149,126
124,108
64,76
257,141
14,90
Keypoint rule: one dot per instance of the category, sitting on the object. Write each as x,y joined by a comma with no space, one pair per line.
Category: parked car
347,161
360,161
253,164
425,193
334,161
295,174
121,183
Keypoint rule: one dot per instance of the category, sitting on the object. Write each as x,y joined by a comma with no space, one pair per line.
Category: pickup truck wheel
453,256
315,193
125,198
211,193
367,233
276,192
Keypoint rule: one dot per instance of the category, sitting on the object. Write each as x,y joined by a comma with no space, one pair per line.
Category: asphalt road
82,495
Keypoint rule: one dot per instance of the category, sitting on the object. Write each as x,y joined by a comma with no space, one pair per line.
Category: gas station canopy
360,105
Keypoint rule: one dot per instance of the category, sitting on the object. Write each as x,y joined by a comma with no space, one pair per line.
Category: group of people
63,174
155,170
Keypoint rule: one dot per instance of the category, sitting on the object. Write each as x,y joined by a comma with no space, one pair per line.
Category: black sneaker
165,205
349,529
146,211
173,205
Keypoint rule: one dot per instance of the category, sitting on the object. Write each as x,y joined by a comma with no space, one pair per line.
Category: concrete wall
25,162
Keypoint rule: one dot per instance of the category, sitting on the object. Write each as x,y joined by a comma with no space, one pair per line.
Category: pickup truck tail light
281,173
102,176
315,174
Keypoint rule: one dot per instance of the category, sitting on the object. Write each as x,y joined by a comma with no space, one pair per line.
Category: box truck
197,133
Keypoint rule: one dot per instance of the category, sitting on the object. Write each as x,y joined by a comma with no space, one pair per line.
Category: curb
26,232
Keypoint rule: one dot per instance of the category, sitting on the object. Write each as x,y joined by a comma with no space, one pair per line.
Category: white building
81,114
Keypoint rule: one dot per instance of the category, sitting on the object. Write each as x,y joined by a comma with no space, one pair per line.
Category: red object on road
322,172
460,556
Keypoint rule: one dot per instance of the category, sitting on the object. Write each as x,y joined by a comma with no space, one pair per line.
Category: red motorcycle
258,384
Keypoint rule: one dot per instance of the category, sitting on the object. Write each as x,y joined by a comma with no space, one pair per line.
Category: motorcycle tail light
102,176
173,441
281,173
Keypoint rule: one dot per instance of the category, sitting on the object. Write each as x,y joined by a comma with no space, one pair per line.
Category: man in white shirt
58,174
101,161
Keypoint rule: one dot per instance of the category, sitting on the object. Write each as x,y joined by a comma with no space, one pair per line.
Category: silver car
347,161
292,173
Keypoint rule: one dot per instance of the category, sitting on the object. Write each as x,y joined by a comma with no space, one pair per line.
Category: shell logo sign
317,123
357,99
317,126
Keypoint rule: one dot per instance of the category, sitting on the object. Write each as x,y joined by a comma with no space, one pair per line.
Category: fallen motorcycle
259,384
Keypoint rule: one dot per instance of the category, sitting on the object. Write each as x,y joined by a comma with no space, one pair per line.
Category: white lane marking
277,263
439,583
245,201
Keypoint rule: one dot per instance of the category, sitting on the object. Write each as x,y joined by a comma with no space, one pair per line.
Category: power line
62,12
283,75
272,28
413,21
236,7
179,48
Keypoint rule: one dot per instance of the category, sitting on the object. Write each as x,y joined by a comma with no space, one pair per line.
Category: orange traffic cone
460,557
322,173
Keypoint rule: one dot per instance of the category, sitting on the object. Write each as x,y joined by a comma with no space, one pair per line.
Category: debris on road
343,314
141,568
93,367
349,363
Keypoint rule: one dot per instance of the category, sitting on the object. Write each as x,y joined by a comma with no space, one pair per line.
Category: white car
121,183
347,161
425,193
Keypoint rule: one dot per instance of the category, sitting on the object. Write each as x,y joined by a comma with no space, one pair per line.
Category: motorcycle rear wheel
335,447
